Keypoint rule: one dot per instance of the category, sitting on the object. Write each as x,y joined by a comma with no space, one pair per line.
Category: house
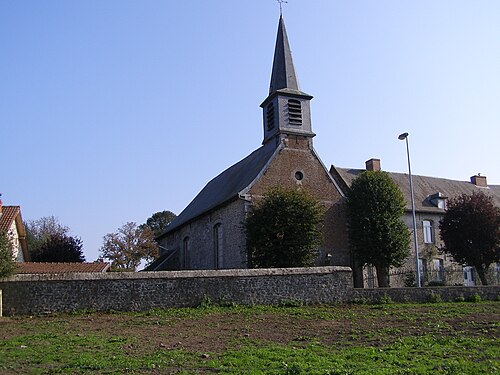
208,235
430,196
11,223
61,267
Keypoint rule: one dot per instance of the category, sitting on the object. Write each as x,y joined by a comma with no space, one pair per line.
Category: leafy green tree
39,231
60,248
283,229
128,246
470,230
159,221
377,233
7,263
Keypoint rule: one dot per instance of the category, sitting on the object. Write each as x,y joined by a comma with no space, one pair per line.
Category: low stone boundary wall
425,294
132,291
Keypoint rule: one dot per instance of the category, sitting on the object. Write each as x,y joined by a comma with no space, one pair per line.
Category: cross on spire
281,4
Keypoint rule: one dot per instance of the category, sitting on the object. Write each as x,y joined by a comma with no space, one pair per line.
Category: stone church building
208,234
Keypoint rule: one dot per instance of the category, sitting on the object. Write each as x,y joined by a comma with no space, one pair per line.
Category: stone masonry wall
38,294
201,254
41,294
297,156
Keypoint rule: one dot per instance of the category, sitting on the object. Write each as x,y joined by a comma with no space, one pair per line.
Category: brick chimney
479,180
373,164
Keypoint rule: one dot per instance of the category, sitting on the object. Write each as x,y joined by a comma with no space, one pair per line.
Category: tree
128,246
39,231
470,230
7,263
377,233
60,248
283,230
159,221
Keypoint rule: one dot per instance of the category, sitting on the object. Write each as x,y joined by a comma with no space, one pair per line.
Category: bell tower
287,110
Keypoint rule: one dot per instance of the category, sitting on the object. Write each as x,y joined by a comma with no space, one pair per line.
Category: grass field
447,338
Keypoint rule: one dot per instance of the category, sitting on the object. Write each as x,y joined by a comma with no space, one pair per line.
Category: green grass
443,338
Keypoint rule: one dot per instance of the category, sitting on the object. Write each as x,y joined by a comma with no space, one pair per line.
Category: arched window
217,238
185,253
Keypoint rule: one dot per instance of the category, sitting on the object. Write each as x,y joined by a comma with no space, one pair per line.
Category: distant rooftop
63,267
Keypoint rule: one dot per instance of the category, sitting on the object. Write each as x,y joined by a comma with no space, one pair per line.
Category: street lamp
401,137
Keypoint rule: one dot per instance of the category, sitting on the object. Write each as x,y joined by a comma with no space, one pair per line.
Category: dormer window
438,200
294,112
270,116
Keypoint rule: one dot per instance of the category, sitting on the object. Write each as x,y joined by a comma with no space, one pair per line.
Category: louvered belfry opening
270,116
294,112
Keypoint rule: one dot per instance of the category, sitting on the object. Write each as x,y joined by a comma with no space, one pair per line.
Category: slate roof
283,73
63,267
225,187
8,216
423,187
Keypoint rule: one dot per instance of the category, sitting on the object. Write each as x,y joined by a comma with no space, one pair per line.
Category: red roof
41,267
7,216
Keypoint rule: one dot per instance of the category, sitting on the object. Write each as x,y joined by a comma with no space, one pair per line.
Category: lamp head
403,136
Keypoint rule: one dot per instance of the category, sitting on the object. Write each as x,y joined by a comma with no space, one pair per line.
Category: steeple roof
283,75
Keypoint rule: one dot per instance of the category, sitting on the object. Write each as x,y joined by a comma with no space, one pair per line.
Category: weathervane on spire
281,2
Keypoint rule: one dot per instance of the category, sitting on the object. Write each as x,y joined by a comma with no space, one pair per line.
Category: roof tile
63,267
7,217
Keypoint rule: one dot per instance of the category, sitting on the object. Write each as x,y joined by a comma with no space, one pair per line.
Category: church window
270,116
299,175
185,252
294,112
217,238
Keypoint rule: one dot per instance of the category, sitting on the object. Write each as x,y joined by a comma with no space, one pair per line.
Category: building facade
430,195
208,233
11,223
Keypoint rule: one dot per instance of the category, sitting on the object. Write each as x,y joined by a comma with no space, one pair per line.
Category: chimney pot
372,164
479,180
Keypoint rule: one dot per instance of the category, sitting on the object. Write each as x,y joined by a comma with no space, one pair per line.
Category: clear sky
113,110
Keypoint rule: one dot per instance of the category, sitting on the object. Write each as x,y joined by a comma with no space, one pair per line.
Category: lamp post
401,137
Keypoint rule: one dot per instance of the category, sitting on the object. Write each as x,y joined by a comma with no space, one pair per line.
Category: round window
299,175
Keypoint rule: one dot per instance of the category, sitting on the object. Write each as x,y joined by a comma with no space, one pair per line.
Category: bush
435,298
283,230
474,298
385,300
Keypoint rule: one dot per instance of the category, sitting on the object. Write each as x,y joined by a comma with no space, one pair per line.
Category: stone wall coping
177,274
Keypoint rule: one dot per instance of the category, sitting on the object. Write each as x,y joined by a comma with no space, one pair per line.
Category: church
208,233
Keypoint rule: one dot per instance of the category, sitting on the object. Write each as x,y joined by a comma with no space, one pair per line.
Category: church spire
283,74
286,110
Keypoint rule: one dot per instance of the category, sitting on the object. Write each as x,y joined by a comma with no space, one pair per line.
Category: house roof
63,267
423,187
225,187
7,216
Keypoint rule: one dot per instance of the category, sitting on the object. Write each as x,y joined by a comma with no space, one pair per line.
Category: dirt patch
219,330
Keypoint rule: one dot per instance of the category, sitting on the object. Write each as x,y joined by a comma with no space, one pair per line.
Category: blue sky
113,110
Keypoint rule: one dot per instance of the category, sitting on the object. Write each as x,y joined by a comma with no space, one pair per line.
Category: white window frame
428,230
438,265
